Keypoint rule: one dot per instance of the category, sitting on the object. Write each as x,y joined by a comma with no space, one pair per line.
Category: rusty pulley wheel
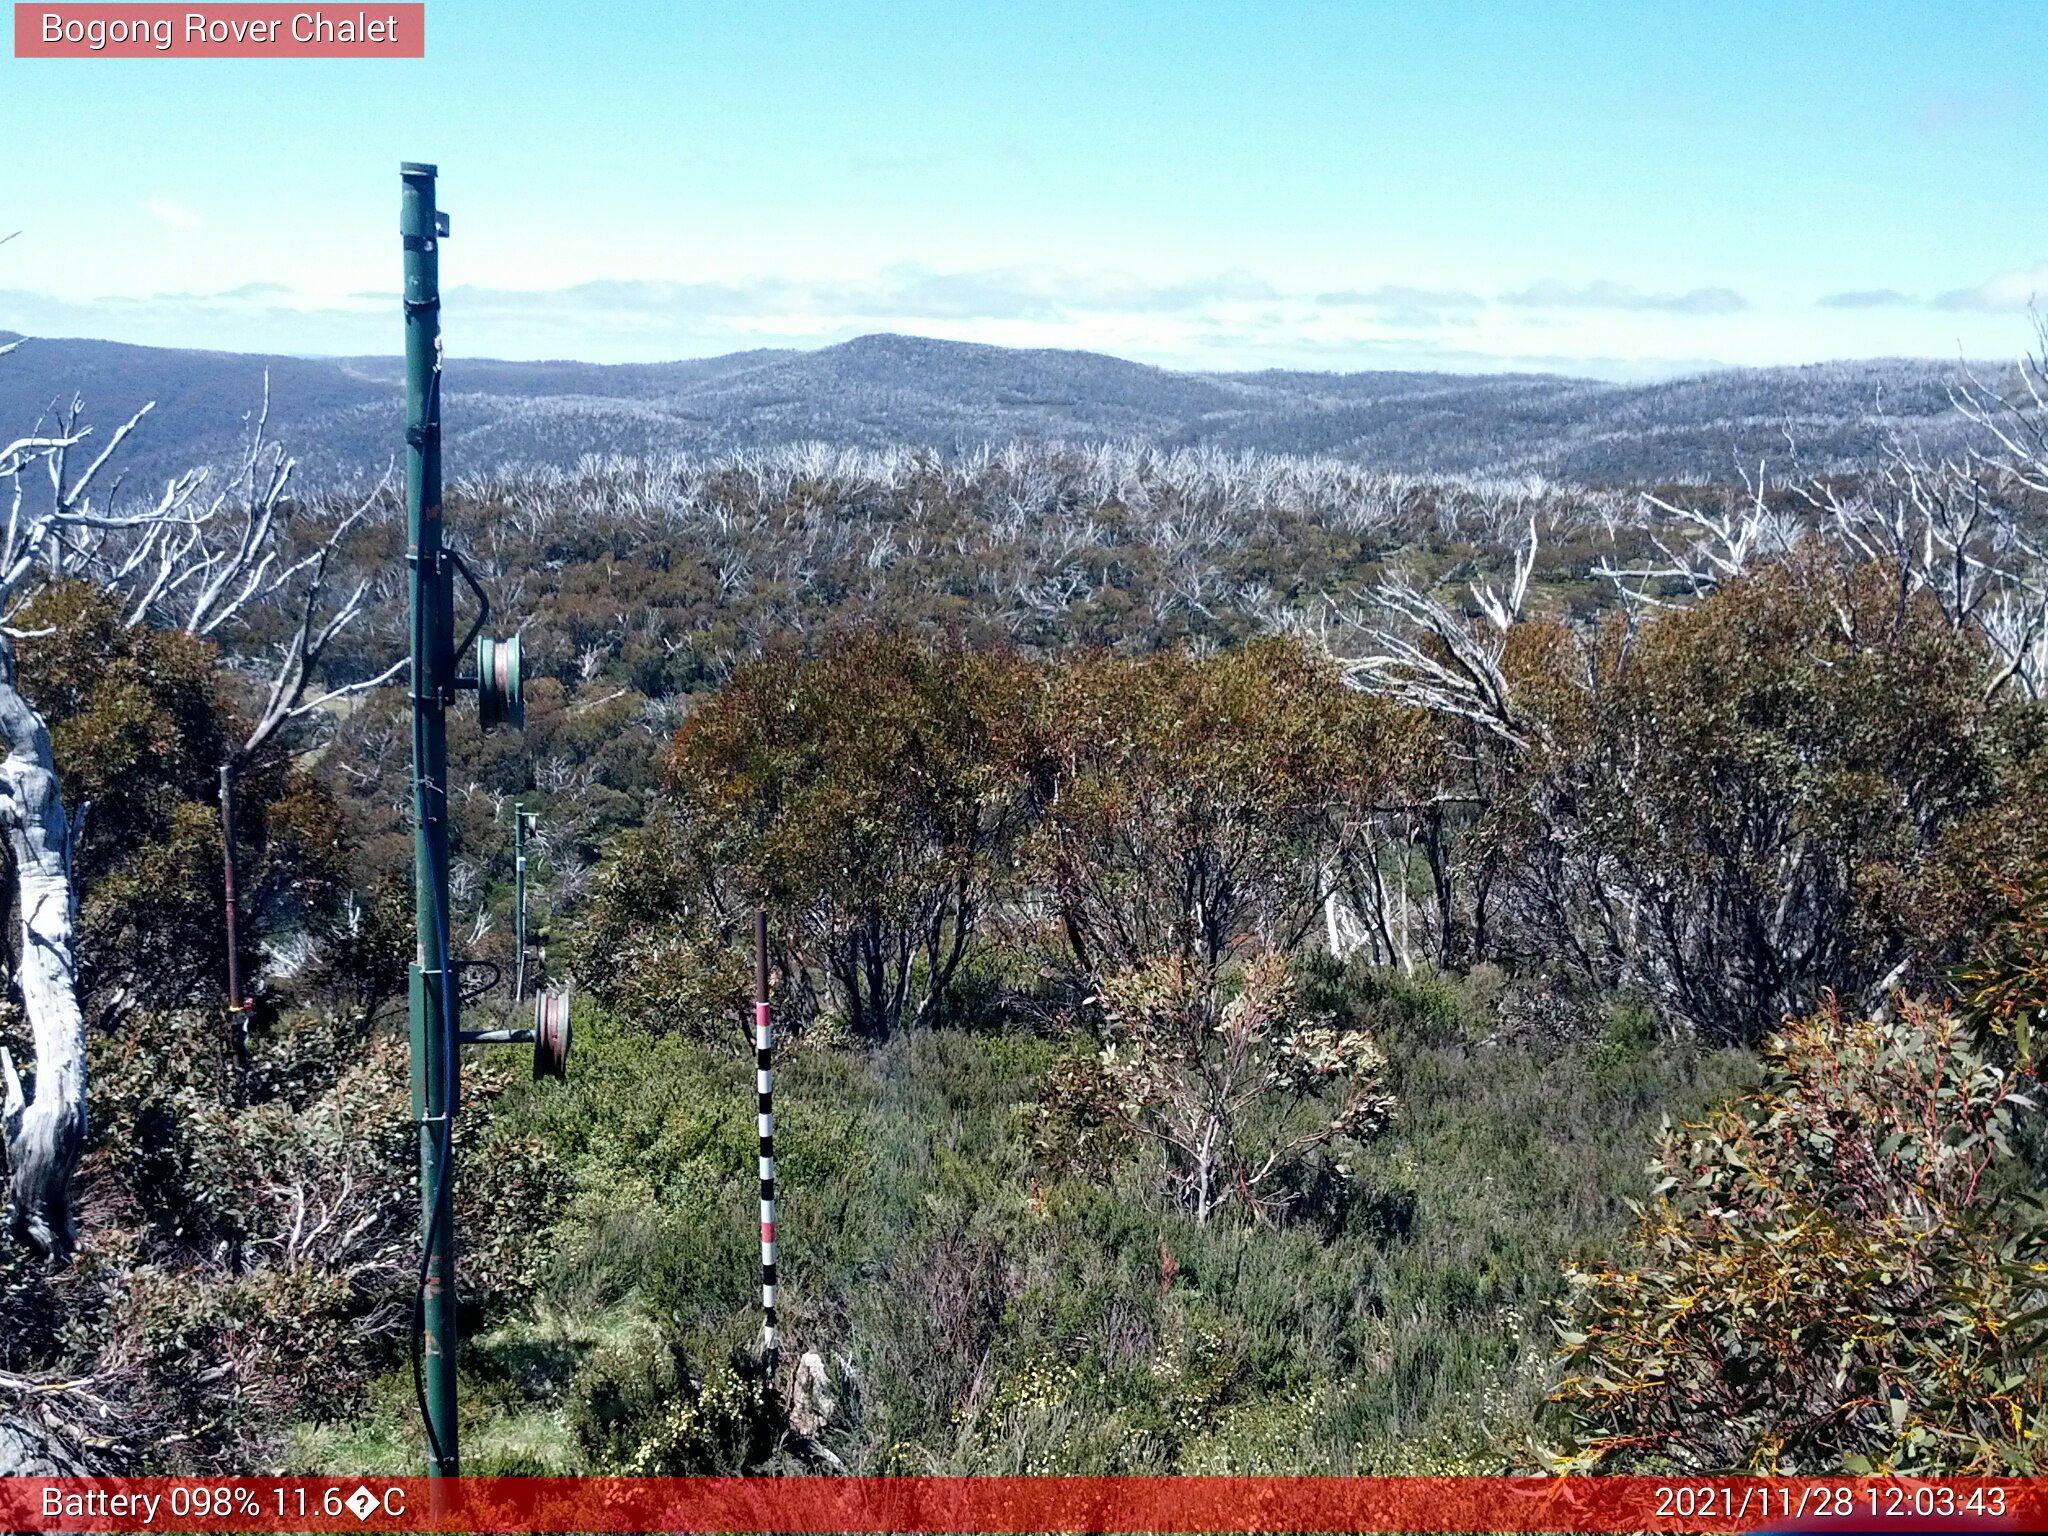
500,688
551,1034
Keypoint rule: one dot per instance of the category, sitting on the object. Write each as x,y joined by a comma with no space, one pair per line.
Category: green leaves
1189,805
1226,1074
1835,1273
1744,807
140,722
870,795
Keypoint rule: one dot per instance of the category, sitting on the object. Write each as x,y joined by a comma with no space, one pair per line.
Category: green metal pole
434,1024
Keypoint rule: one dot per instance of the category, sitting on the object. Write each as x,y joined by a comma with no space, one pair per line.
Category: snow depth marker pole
764,1085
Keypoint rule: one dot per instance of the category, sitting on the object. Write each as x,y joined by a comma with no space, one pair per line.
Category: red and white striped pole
764,1084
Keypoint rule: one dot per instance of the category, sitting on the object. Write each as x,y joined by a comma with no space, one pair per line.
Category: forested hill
341,415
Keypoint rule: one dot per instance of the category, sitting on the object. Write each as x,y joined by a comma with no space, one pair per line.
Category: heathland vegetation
1287,968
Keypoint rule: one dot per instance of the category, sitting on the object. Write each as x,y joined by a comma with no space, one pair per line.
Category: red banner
103,31
1018,1504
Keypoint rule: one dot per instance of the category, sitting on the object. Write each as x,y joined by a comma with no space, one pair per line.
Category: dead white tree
1417,651
1962,529
1502,612
1701,550
1402,643
2014,458
2015,419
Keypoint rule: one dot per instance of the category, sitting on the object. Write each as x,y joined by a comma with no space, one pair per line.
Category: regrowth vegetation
1241,923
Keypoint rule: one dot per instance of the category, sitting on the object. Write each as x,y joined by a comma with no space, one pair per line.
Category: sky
1621,190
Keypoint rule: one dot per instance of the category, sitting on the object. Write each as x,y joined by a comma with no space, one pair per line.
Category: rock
811,1401
30,1449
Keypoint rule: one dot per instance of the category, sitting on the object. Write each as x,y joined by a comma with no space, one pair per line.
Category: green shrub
1003,1314
1842,1272
639,1409
653,950
140,723
1242,1094
257,1264
1628,1039
1759,798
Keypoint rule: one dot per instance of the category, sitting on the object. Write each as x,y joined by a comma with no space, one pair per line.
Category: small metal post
238,1005
764,1085
519,898
227,835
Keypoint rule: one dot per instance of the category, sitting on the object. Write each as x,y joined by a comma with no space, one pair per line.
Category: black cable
449,1066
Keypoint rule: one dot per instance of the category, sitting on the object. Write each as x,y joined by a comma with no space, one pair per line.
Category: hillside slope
341,415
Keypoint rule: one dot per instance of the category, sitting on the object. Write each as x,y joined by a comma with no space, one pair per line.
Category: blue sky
1619,189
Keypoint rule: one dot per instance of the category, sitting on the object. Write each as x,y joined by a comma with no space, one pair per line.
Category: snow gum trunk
45,1134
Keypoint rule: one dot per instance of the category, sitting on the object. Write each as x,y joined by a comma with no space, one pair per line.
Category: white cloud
1403,306
1228,320
1549,293
2006,293
1867,298
175,214
906,292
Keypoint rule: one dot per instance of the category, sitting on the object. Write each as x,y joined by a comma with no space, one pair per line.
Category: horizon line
1652,373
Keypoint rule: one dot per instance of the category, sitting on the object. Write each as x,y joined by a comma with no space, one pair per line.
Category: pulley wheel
500,689
551,1034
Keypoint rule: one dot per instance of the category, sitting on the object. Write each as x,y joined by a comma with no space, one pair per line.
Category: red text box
239,31
1022,1504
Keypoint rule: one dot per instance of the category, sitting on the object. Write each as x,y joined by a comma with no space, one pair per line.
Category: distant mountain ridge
341,417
